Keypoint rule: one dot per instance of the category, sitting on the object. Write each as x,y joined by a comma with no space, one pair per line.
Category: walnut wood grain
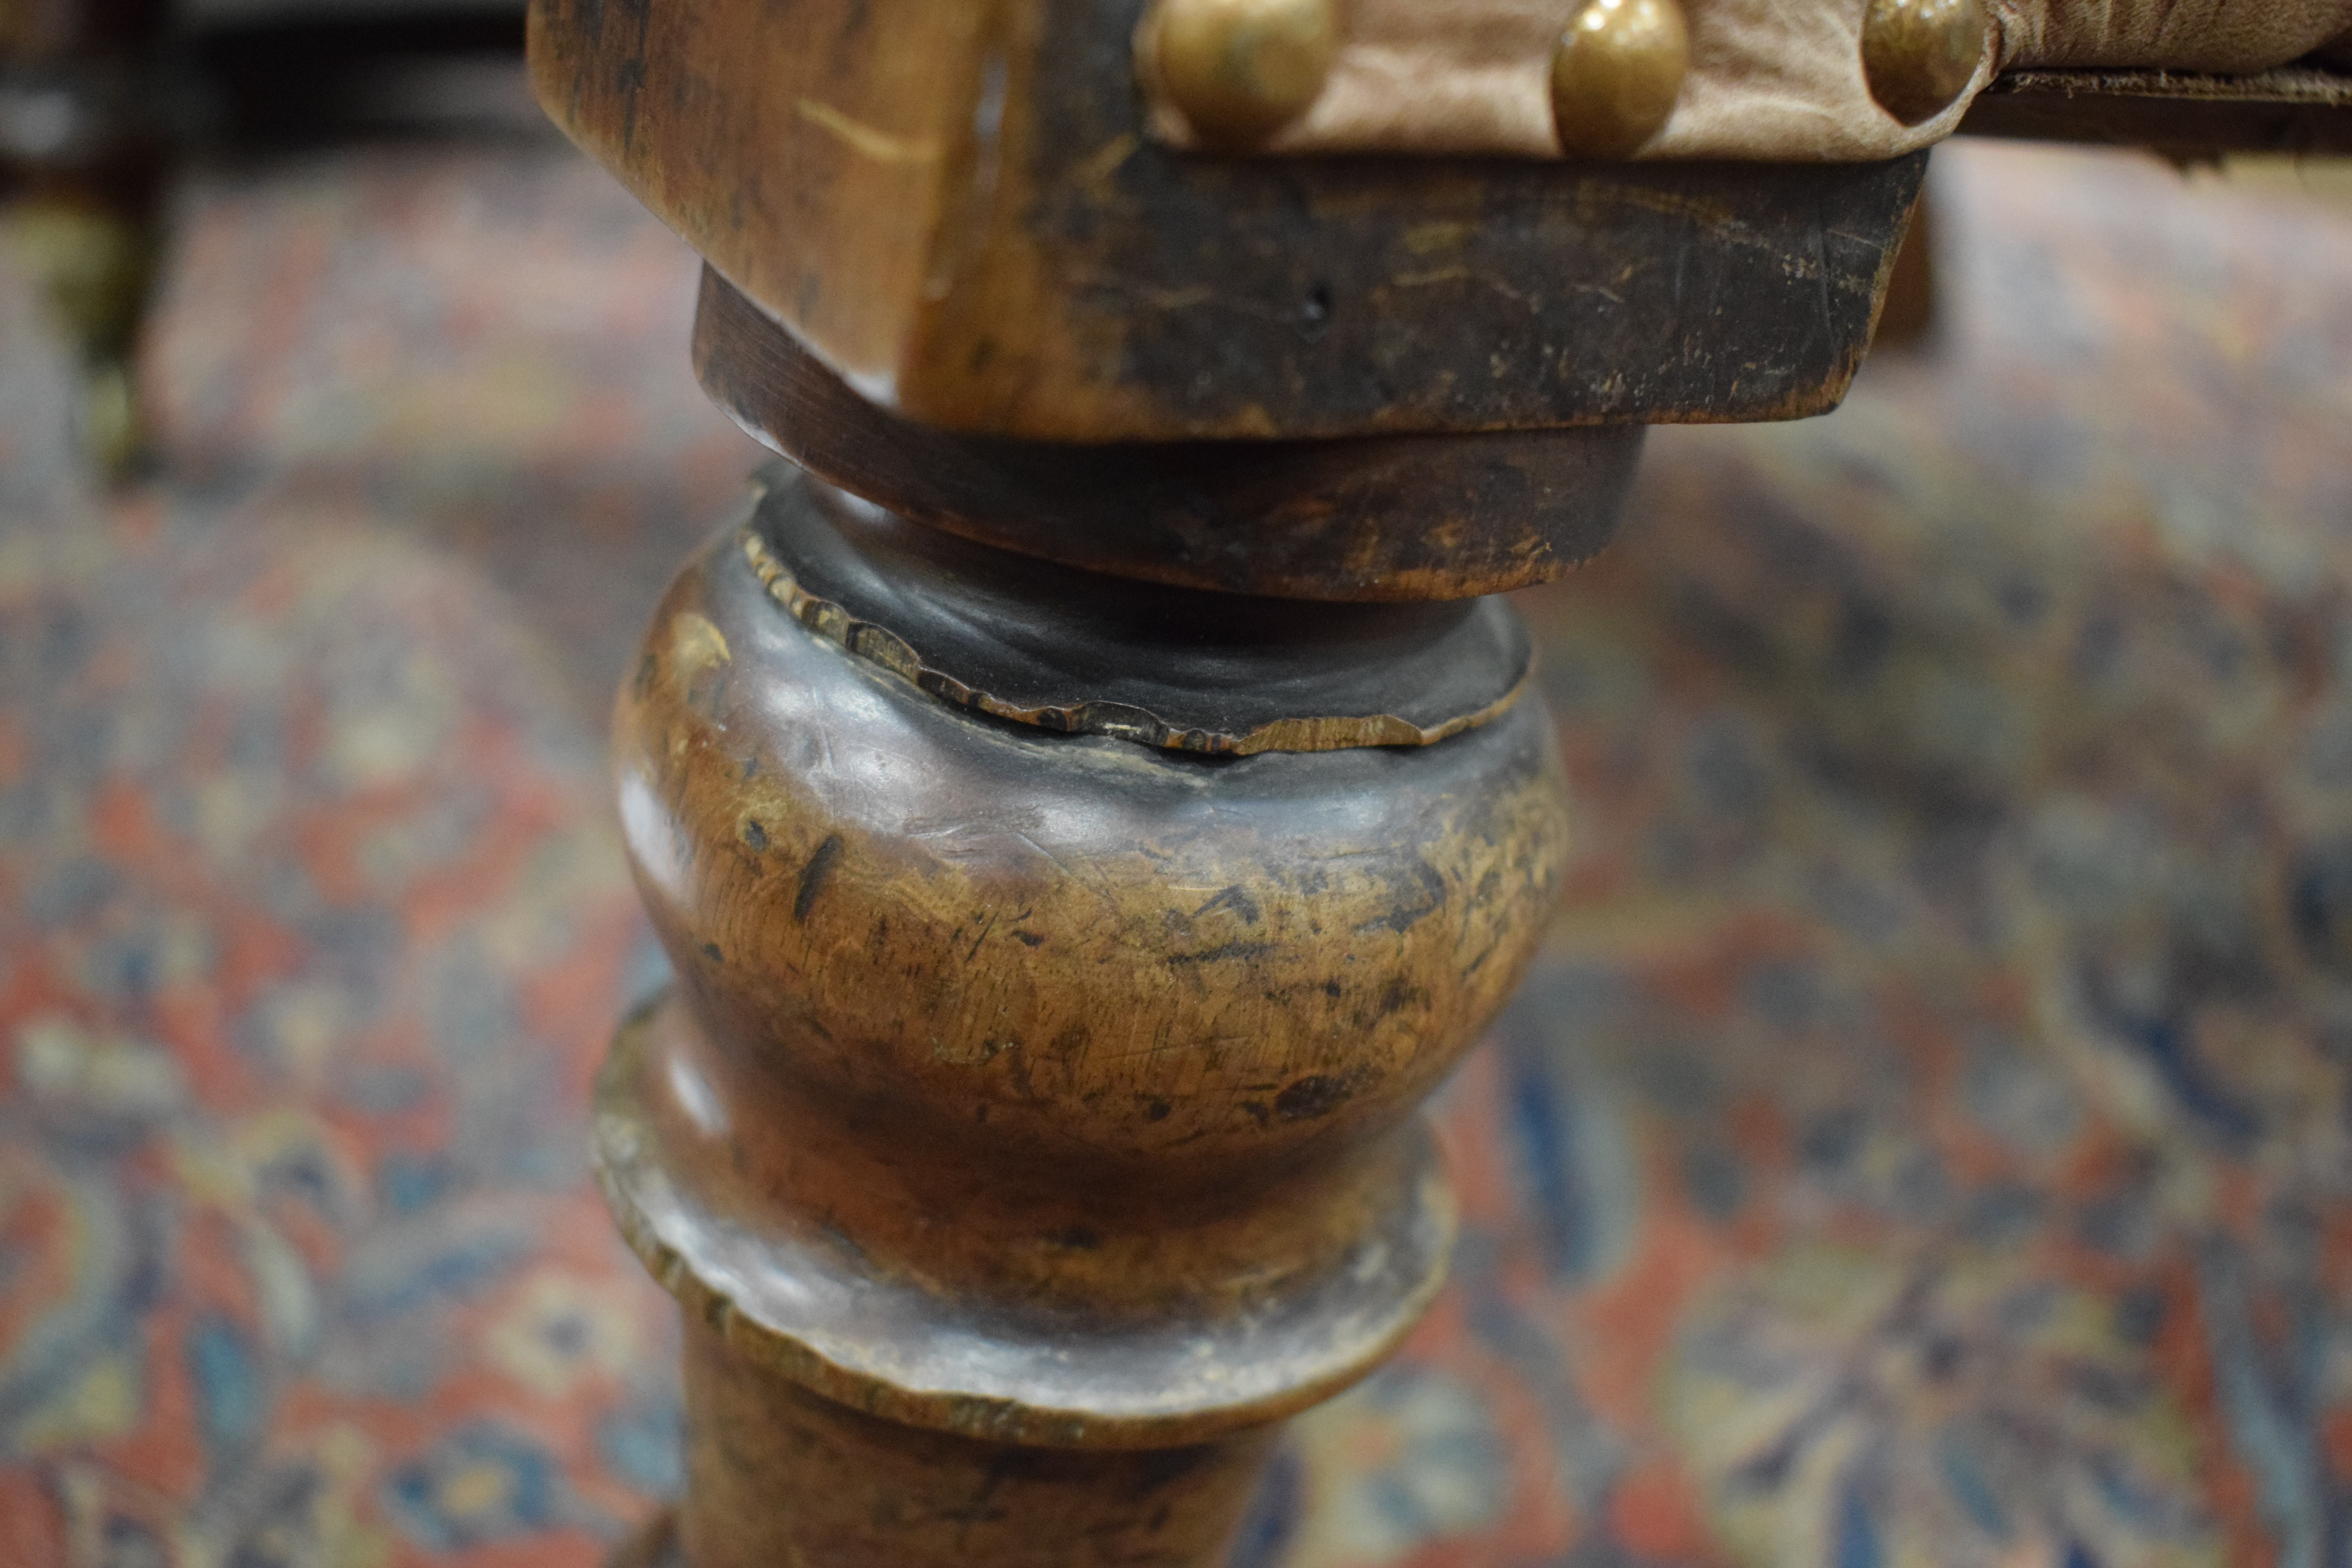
1387,518
956,207
1025,1094
863,1491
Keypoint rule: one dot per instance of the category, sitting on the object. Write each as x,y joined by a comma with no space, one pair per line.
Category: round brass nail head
1241,69
1615,74
1920,55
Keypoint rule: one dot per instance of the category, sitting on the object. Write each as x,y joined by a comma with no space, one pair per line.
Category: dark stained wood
2296,109
1033,1111
63,32
1035,1120
79,101
956,208
1908,319
1076,653
855,1490
1393,518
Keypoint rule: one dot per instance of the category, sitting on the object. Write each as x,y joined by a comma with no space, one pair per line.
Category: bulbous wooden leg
1034,1123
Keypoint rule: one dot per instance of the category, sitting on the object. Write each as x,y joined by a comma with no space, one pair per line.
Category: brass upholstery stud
1920,55
1615,74
1242,69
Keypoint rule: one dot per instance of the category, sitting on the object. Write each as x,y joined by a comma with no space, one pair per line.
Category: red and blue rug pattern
1926,1140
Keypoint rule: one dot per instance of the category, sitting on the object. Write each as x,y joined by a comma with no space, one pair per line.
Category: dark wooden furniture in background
84,149
100,100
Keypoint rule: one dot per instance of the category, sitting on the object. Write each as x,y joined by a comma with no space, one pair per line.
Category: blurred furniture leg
82,160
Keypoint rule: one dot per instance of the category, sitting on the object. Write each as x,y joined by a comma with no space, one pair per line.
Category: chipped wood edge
880,645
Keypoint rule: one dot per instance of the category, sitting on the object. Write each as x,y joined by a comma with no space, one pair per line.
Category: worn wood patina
1075,652
1092,810
1034,1122
1395,518
956,208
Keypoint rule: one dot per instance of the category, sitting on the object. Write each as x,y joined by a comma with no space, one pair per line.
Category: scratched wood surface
1036,1119
1383,517
956,208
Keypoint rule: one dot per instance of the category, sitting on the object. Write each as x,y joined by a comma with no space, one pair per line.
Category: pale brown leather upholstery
1768,79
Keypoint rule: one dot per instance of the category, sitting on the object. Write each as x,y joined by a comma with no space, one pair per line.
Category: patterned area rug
1924,1141
311,920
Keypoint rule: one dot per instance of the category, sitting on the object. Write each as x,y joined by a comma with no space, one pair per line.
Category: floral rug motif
1924,1141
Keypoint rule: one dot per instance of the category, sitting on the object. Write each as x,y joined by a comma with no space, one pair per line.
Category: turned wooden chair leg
1092,800
1034,1122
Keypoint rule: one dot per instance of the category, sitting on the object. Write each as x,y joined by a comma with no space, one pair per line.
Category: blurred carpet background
1927,1139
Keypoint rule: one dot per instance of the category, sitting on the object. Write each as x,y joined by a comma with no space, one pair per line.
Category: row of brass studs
1241,69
